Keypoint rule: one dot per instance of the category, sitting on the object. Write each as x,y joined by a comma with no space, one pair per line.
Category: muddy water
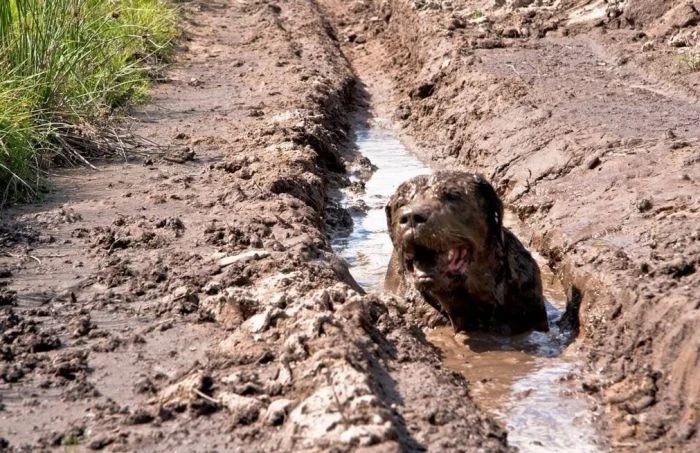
524,381
368,248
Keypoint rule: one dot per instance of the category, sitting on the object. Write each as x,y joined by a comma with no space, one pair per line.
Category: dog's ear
388,209
492,206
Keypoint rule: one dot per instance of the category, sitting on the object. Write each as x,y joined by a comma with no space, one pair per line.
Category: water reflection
368,248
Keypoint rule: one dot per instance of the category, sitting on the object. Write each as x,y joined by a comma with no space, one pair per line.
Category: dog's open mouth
425,263
458,260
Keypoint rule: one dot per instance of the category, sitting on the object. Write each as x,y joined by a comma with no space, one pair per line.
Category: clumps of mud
611,209
128,232
20,234
280,335
26,348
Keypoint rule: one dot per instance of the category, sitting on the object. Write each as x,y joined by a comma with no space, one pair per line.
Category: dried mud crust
194,304
594,144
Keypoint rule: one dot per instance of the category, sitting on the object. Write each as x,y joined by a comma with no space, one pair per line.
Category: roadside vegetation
691,62
66,66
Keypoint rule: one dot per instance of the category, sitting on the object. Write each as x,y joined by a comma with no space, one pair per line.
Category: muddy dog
451,248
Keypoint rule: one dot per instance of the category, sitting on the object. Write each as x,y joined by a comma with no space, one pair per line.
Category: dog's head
441,223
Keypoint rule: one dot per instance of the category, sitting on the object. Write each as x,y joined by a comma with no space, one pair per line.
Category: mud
589,128
191,300
195,304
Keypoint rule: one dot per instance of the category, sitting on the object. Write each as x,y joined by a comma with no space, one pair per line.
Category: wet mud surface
193,301
197,305
588,129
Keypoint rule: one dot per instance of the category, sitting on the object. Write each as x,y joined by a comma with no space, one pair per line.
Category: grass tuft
68,64
690,62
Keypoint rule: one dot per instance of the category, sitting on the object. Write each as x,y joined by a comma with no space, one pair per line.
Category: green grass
476,15
690,62
66,65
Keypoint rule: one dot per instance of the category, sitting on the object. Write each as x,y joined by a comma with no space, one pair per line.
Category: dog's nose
414,217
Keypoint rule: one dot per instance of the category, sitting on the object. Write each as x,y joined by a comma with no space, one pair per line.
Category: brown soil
595,145
193,302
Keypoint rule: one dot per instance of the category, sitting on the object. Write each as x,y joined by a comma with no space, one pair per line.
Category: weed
690,62
71,443
68,65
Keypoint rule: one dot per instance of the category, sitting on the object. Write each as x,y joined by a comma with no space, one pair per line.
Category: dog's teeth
452,260
457,260
463,267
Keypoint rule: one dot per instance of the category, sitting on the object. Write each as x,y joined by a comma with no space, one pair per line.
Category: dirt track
194,303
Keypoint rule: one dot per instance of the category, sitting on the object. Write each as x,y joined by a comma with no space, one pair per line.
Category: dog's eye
451,196
398,204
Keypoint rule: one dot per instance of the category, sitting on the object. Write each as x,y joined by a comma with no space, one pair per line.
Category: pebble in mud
81,326
277,411
644,204
593,162
242,409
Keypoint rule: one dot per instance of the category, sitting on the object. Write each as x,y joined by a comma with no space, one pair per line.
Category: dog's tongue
458,260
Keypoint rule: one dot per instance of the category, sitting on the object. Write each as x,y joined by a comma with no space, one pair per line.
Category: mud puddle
524,381
367,249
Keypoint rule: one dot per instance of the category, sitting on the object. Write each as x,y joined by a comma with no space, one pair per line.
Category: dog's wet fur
450,247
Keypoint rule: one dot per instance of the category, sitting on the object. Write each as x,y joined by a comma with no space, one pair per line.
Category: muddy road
188,298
